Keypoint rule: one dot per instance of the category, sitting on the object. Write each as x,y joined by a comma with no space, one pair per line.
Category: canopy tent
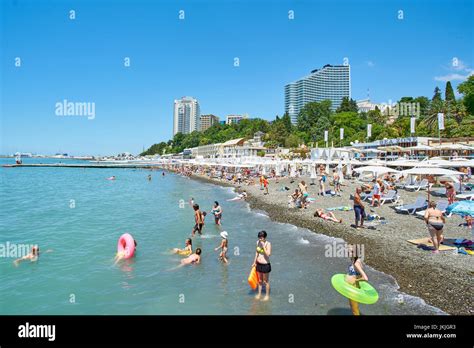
453,147
392,148
375,170
420,148
435,171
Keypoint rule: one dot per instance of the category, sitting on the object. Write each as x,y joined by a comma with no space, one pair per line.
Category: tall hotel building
186,116
332,82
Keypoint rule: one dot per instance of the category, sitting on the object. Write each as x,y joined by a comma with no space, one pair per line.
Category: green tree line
316,117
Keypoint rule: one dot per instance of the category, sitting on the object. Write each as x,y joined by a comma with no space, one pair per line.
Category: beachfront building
230,119
207,121
365,105
332,82
234,148
186,116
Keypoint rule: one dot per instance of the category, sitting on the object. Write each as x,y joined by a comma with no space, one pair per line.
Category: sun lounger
457,186
390,197
466,196
440,205
419,204
417,187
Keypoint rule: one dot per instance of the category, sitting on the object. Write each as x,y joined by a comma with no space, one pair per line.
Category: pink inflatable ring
126,245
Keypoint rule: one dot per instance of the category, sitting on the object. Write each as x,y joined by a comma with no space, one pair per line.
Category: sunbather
326,216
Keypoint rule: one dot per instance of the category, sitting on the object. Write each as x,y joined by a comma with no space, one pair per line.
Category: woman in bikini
188,249
262,264
435,221
328,217
223,246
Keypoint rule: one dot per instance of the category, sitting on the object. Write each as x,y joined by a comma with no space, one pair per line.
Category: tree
286,119
347,105
311,113
467,89
437,95
449,93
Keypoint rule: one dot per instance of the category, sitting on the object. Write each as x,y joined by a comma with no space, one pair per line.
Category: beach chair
423,184
419,204
440,205
390,197
466,196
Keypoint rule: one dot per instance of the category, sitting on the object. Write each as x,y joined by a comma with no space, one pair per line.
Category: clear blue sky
81,60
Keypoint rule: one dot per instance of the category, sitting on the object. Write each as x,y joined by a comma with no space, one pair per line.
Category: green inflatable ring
366,294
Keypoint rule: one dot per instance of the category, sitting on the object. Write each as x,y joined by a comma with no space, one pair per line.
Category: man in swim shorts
198,219
359,209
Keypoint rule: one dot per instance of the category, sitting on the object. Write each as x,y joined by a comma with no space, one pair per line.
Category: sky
47,57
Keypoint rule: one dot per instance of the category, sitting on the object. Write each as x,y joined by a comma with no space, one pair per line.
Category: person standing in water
198,219
217,211
262,264
149,177
354,275
223,246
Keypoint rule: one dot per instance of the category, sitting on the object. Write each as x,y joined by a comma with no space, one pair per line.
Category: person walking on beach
435,221
198,219
376,193
450,192
265,185
223,246
337,183
359,209
262,264
354,275
217,211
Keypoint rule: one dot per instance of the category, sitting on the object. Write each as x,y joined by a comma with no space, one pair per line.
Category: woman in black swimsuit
262,264
435,221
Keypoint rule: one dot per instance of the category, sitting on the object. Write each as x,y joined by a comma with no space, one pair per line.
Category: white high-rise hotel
332,82
186,116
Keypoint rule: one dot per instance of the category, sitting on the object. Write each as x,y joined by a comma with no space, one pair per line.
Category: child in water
223,246
354,275
193,258
188,249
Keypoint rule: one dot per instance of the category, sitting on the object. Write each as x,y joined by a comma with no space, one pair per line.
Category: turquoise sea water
35,207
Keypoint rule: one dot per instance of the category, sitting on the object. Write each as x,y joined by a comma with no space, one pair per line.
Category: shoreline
447,288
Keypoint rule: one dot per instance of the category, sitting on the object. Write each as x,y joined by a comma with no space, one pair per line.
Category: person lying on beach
326,216
241,196
32,256
193,258
354,275
223,246
188,248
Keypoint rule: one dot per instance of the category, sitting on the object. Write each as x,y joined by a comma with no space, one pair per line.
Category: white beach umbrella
376,170
313,174
435,171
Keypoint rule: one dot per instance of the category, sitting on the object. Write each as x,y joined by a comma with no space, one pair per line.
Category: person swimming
32,256
193,258
188,248
121,255
111,178
223,246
